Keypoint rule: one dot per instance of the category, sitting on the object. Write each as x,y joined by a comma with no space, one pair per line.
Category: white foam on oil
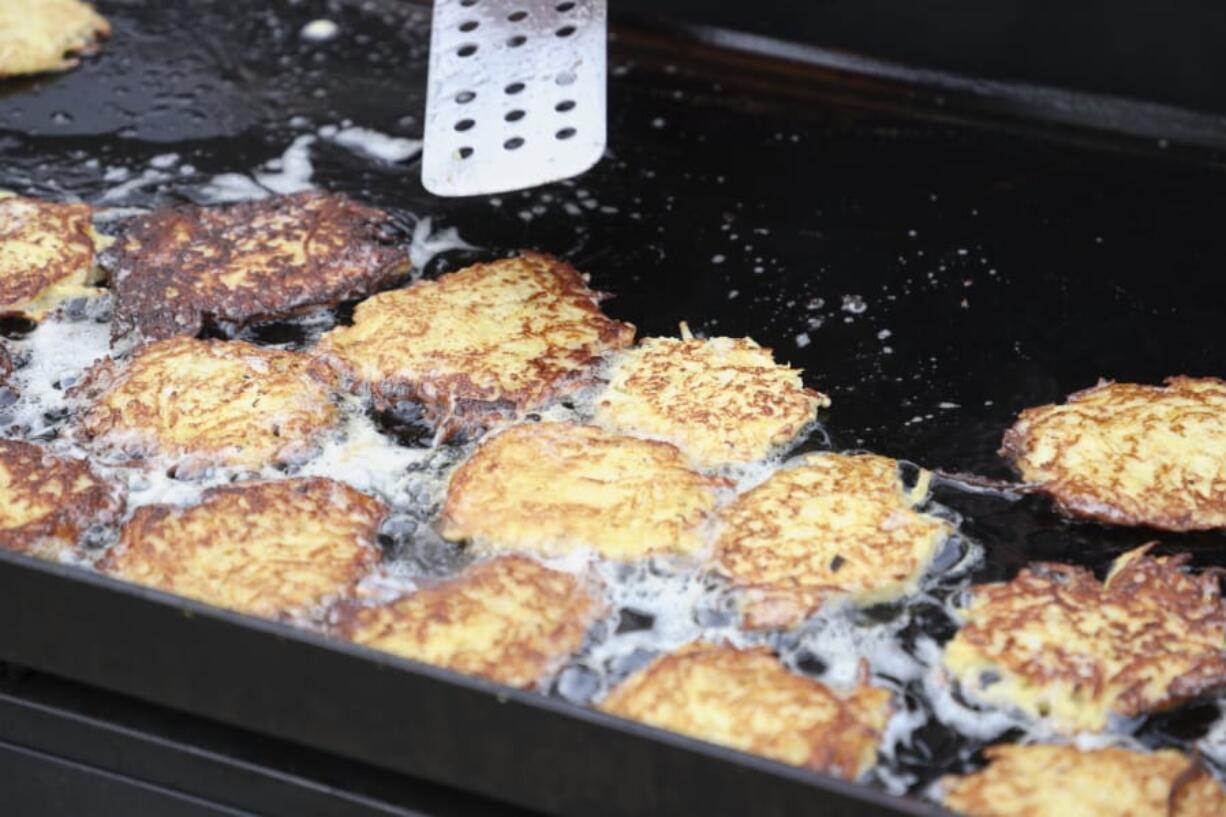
291,172
372,143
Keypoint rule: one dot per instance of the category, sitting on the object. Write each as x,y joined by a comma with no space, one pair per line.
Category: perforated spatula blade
516,94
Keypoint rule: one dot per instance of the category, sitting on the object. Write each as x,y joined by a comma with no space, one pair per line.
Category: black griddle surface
932,266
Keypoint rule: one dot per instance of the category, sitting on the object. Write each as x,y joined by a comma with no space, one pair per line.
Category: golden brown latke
1055,642
509,619
477,346
48,501
267,549
209,402
558,487
183,267
747,700
47,35
47,254
1130,454
1055,781
720,400
832,525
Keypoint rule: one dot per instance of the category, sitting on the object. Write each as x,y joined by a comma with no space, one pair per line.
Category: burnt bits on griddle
747,700
553,488
1057,643
269,549
181,268
720,400
48,501
1131,454
828,526
37,36
478,346
509,619
1049,781
47,254
197,403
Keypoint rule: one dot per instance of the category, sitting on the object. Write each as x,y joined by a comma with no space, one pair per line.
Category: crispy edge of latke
144,310
1181,784
474,467
84,42
348,618
135,532
1017,442
97,429
58,534
788,603
1209,677
847,762
36,302
453,404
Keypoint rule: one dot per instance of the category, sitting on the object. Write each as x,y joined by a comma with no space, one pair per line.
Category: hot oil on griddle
932,274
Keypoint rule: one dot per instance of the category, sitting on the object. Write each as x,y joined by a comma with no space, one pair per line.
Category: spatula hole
464,97
565,105
517,41
467,50
565,133
514,88
468,3
464,124
565,31
514,143
516,16
515,115
465,152
469,25
564,7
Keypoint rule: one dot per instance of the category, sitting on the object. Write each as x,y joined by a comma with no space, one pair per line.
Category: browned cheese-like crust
1055,642
47,501
747,700
209,402
720,400
509,619
183,267
47,254
1131,454
47,35
558,487
833,525
480,345
267,549
1055,781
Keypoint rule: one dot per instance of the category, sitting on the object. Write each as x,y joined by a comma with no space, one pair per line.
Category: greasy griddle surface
932,274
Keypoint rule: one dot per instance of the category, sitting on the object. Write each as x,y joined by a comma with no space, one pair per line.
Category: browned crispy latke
747,700
183,267
558,487
263,548
47,35
209,402
477,346
47,255
1055,642
832,525
1130,454
720,400
47,501
1055,781
509,619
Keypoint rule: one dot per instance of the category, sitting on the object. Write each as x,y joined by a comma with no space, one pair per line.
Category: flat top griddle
935,261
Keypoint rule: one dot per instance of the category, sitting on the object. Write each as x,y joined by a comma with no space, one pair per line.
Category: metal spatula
516,94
